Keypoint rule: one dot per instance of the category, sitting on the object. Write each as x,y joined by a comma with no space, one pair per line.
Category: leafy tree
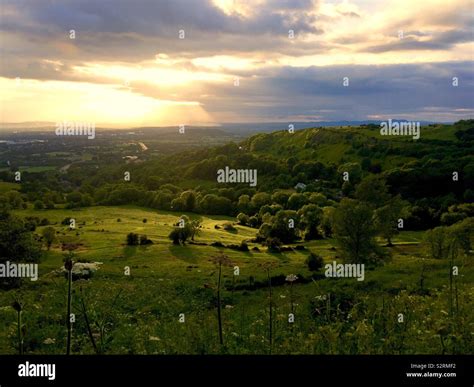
185,229
462,233
310,218
280,227
195,228
438,242
273,244
326,221
355,232
373,191
17,244
49,235
387,216
243,219
354,169
189,199
280,197
216,205
318,198
178,204
296,201
243,204
14,199
260,199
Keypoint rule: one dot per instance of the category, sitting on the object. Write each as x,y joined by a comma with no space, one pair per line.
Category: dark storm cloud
123,29
388,89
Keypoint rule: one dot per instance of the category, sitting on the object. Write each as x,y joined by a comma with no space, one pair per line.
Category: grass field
139,313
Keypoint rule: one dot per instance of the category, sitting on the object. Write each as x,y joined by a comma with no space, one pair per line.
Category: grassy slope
167,279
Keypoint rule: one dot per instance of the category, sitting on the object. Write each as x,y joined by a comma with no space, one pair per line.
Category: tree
310,218
354,170
243,204
243,219
462,232
296,201
189,200
318,198
373,190
326,221
355,232
195,228
386,218
438,242
49,235
184,229
284,226
280,197
260,199
17,244
178,204
216,205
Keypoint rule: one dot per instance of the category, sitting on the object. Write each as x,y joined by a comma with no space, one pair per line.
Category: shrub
273,245
132,239
243,219
229,227
145,241
314,262
38,205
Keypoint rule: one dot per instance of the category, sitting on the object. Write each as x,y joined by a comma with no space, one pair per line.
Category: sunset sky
127,65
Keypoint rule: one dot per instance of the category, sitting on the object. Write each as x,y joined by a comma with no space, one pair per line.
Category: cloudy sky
197,62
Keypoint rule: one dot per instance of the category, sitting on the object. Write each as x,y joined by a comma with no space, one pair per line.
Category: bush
229,227
314,262
438,242
38,205
66,221
244,246
243,219
273,245
145,241
132,239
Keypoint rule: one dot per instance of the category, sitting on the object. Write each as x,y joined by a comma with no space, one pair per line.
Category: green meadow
167,303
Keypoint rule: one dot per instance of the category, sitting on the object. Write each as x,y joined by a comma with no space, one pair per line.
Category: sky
207,62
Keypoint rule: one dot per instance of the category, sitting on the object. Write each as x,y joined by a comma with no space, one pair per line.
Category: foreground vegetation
140,313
